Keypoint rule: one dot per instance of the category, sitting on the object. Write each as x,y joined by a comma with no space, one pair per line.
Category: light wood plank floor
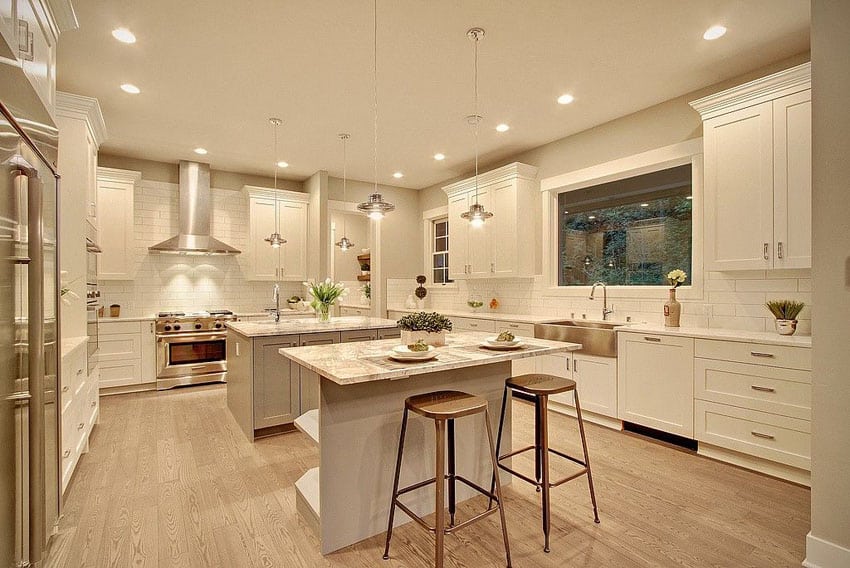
171,481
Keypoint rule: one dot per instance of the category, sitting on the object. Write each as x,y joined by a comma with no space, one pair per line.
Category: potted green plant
293,302
428,327
785,312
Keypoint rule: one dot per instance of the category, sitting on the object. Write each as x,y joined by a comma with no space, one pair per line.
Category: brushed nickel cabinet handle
760,354
763,436
762,389
575,365
767,251
779,252
653,339
513,325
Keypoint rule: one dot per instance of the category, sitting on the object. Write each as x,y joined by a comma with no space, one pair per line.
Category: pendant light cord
275,124
344,172
476,119
375,87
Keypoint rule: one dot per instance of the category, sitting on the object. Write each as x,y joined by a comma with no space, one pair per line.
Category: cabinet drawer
520,329
120,347
389,333
352,311
769,389
116,374
106,327
776,438
469,324
325,338
761,354
358,335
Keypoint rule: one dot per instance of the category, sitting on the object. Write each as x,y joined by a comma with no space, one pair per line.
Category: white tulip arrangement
324,294
676,277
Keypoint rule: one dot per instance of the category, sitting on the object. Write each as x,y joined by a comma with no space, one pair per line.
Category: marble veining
764,337
307,325
352,363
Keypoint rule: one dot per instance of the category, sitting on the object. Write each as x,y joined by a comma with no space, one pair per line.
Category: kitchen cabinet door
792,166
505,253
276,383
656,382
264,261
739,189
596,380
115,191
293,228
479,256
458,237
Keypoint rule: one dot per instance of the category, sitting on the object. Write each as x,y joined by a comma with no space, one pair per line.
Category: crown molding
79,107
513,171
116,175
278,194
63,15
789,81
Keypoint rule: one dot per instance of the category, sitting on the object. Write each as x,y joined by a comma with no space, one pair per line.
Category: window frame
429,218
689,152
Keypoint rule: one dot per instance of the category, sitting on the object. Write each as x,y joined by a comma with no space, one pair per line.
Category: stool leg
498,444
452,500
395,483
440,473
543,442
586,458
498,483
538,457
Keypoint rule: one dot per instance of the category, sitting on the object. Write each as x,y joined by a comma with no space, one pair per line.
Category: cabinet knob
66,453
94,403
81,425
65,388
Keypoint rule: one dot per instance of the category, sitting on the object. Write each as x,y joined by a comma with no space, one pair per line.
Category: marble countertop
307,325
71,343
769,338
353,363
485,315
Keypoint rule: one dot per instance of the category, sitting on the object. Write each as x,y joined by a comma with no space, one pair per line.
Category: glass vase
323,313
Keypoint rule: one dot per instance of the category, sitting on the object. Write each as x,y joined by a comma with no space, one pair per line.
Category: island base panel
359,430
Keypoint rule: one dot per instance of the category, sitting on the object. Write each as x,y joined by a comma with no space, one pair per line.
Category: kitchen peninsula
266,393
361,398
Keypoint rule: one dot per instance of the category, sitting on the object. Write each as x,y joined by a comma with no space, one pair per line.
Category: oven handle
161,338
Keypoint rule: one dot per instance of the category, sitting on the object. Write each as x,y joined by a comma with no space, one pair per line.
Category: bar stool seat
444,407
536,388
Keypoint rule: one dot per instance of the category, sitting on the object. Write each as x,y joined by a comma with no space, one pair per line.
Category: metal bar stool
537,388
444,407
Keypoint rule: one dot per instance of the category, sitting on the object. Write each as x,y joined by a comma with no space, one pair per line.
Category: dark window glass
199,352
629,232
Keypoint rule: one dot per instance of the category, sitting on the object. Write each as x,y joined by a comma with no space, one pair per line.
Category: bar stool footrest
534,482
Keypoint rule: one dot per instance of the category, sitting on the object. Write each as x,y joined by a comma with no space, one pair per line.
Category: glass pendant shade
275,240
375,207
344,244
476,215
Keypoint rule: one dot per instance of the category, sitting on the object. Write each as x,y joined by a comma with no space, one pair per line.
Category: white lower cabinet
596,380
80,406
656,387
126,353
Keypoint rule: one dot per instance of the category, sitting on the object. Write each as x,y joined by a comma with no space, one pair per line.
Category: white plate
501,347
402,353
495,342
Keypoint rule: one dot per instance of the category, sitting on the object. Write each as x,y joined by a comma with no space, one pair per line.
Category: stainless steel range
191,348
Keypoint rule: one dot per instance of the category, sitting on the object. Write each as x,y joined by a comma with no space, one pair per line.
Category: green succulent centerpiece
785,312
430,328
323,295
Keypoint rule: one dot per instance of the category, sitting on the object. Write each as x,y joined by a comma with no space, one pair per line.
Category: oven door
182,357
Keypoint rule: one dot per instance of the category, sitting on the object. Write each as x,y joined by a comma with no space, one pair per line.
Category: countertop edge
375,323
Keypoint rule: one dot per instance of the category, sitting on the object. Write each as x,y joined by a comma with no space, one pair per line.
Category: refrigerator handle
35,361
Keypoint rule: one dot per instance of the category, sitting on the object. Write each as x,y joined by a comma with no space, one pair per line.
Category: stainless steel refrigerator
29,330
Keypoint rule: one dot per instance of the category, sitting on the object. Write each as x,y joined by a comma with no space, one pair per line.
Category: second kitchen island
266,393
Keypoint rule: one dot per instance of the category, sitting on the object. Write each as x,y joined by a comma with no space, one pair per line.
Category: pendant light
476,214
375,206
275,240
344,244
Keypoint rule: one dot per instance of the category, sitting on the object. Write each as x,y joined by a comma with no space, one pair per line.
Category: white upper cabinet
758,173
285,211
504,247
116,233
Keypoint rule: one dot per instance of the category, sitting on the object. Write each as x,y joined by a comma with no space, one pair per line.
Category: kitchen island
362,392
266,393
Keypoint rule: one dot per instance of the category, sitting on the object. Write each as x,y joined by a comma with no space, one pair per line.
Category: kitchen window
629,232
440,251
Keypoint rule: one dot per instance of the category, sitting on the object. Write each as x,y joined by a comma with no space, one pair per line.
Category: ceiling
212,72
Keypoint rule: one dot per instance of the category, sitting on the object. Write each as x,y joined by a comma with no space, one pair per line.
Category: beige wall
831,277
168,172
318,228
661,125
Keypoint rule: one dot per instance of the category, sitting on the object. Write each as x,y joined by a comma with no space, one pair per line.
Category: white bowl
494,341
502,345
403,353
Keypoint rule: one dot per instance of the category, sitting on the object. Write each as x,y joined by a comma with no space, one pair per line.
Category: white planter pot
435,339
786,327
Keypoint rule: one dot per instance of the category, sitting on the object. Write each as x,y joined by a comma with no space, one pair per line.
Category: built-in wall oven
191,348
92,293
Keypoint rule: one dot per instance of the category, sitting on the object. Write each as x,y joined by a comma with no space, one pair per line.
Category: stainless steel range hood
194,216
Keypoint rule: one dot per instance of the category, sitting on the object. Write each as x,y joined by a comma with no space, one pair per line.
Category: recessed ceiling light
565,99
130,88
398,175
124,35
438,156
644,204
282,164
200,151
714,32
502,127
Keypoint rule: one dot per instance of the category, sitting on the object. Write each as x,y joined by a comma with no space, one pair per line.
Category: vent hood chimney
194,216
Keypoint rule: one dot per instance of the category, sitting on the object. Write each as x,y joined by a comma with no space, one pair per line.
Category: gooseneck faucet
276,298
605,311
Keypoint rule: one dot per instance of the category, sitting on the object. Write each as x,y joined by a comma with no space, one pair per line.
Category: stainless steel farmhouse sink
596,337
